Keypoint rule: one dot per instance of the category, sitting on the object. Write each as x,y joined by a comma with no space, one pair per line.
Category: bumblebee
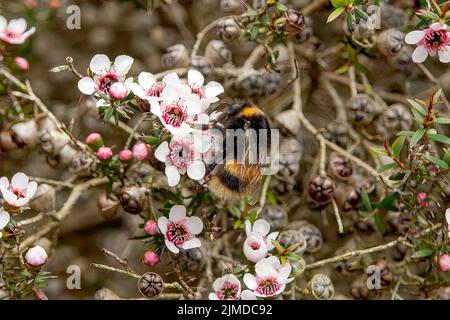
243,153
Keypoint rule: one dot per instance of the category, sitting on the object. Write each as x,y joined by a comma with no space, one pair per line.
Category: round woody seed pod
397,118
276,216
288,238
295,21
321,191
24,134
337,133
363,184
340,167
272,81
321,287
402,61
202,64
108,206
306,33
251,83
231,6
52,141
390,42
6,141
150,285
177,56
193,259
44,199
81,164
228,30
66,155
360,291
313,237
218,53
347,197
132,199
361,109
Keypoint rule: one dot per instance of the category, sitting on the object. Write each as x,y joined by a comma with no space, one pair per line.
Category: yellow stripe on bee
245,172
251,111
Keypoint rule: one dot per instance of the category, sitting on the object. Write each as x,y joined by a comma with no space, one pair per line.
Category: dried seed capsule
231,6
218,52
44,199
202,64
363,184
340,167
364,227
397,118
251,83
24,134
276,216
228,30
390,42
177,56
313,237
272,81
150,285
288,238
6,141
108,206
321,287
132,199
193,259
337,133
402,61
81,164
52,141
295,21
360,291
347,197
321,191
361,109
306,33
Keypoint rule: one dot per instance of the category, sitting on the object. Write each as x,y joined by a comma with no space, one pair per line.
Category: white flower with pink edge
259,241
107,76
228,287
182,155
271,277
431,41
14,31
19,192
180,231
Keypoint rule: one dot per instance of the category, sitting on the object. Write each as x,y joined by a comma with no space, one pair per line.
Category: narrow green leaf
405,133
397,145
388,166
108,114
342,69
443,120
335,14
280,6
437,96
388,202
379,151
379,222
439,137
416,137
437,162
423,253
366,201
417,106
361,14
151,140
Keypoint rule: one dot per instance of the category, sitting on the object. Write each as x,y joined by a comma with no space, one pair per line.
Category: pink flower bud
22,63
125,155
422,199
104,153
151,258
140,151
444,262
118,91
151,227
36,256
94,140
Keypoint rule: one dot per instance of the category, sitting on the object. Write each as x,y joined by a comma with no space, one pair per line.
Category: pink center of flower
177,234
106,81
181,154
229,291
155,90
18,193
200,91
267,286
435,40
255,245
12,35
174,114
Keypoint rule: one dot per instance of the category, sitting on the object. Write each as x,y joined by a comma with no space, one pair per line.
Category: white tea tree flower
271,277
259,240
180,231
148,88
14,31
4,220
431,41
105,75
36,256
181,156
17,193
228,287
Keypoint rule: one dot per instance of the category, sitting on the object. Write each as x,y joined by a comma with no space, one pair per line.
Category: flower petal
420,54
17,25
3,23
122,64
177,213
4,218
19,181
171,246
447,215
138,91
9,197
169,95
162,224
213,89
262,227
195,78
267,266
193,107
100,63
248,295
171,79
31,189
4,182
193,243
86,85
196,170
213,296
102,103
250,281
25,35
444,55
284,273
155,107
194,225
414,37
21,202
162,151
146,80
436,26
260,251
173,176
